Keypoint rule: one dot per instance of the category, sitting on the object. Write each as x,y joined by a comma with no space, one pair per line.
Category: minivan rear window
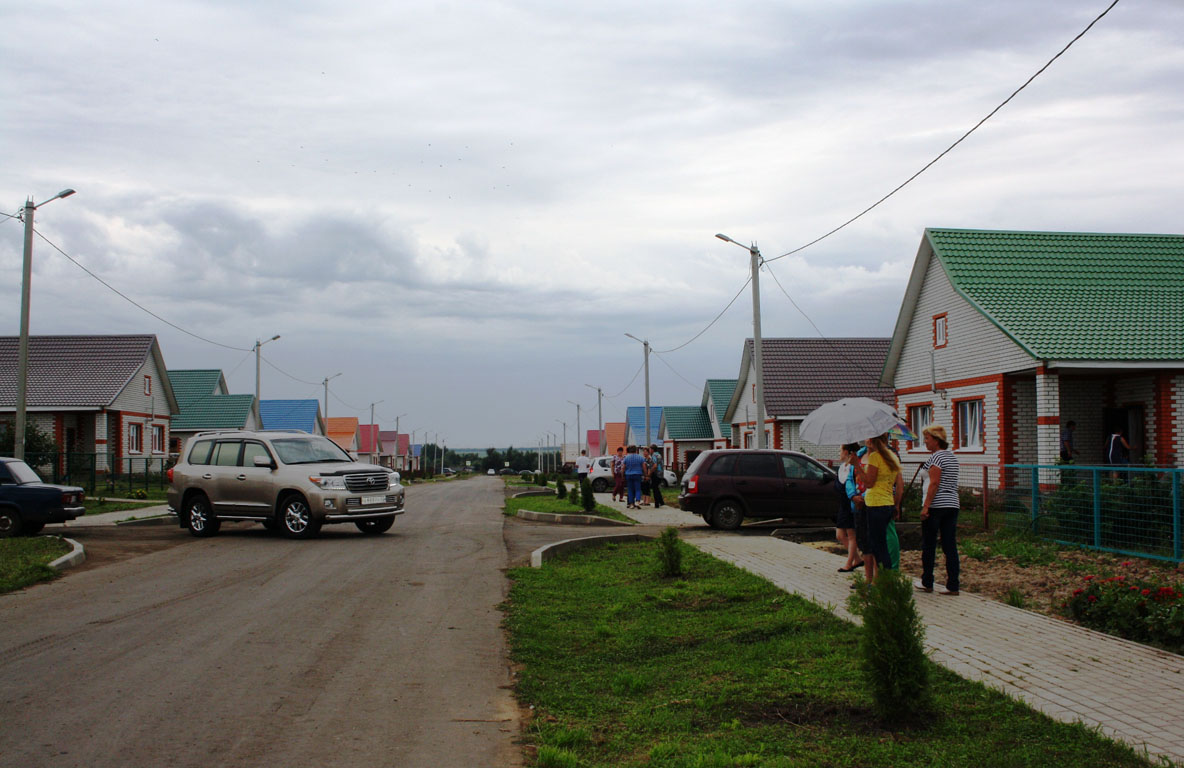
723,465
758,465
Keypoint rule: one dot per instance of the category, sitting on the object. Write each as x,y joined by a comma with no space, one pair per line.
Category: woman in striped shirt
939,510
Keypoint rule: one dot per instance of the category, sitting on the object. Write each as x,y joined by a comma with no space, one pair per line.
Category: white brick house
1005,337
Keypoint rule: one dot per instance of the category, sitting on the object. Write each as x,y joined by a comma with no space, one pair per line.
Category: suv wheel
600,485
727,514
199,517
10,522
376,526
296,520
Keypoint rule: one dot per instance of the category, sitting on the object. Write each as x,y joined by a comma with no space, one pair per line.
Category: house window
968,423
135,438
940,331
147,385
920,416
157,438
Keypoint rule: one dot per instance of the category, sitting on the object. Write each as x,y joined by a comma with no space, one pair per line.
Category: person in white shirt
583,465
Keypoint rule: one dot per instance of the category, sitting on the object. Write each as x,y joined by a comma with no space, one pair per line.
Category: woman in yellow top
878,472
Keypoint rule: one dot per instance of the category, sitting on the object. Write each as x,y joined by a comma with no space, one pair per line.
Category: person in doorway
845,521
634,470
878,473
583,465
939,510
1118,450
1067,449
619,474
656,475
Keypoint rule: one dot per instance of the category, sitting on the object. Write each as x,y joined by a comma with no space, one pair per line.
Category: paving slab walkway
1128,691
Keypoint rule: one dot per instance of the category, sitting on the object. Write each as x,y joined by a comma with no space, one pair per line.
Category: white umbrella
848,420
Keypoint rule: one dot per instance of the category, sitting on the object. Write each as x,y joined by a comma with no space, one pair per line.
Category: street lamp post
599,417
757,360
326,383
646,344
258,357
374,433
578,407
397,461
563,445
22,374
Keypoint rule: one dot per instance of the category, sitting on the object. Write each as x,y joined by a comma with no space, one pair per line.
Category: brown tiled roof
802,374
72,371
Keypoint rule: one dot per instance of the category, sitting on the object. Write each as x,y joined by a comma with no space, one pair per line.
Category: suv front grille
370,482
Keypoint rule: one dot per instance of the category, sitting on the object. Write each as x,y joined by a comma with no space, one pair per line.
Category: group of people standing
871,489
637,476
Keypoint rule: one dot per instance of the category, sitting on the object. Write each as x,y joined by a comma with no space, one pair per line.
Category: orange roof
343,430
614,435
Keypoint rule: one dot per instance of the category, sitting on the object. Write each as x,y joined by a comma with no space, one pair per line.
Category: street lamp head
273,338
725,238
63,193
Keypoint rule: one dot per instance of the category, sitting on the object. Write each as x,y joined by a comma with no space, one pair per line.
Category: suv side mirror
264,461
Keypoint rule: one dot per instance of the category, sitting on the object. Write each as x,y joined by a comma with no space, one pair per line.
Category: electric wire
947,150
821,335
713,322
630,384
141,307
290,376
676,373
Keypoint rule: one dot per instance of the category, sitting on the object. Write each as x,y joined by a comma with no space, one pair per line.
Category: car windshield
308,450
22,472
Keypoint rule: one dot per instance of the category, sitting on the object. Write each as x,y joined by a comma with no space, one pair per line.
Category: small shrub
589,498
892,647
540,480
669,554
975,550
1014,598
138,494
560,489
555,757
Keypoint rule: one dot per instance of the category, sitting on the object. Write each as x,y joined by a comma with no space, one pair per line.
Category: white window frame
158,438
914,425
941,331
147,385
971,435
135,438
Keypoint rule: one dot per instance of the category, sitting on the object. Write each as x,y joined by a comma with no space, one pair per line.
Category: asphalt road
249,649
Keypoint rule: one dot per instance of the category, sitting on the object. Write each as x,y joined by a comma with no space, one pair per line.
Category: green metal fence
1126,510
102,473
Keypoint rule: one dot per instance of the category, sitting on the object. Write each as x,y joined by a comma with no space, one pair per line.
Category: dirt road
249,649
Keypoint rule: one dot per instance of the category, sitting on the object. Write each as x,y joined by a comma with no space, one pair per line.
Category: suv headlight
328,483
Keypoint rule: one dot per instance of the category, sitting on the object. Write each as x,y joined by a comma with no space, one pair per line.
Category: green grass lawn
24,560
556,506
622,667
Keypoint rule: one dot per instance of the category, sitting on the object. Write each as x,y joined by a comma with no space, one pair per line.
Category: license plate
380,499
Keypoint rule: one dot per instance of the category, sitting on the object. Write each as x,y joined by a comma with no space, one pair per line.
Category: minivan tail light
169,474
693,484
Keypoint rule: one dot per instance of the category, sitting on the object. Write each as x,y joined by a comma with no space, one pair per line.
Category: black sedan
27,504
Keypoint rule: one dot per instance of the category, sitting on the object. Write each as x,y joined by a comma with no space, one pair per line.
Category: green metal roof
687,422
1073,295
721,394
214,412
189,385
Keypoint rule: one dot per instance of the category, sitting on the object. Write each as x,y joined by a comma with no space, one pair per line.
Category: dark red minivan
724,487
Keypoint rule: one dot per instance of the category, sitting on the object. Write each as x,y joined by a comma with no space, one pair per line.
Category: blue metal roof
289,414
635,416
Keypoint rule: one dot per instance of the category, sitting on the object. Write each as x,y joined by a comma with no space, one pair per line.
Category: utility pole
22,375
646,344
258,357
326,383
374,434
599,417
563,445
757,361
577,405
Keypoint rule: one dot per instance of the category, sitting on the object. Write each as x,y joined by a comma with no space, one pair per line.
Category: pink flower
1146,592
1077,592
1089,577
1093,598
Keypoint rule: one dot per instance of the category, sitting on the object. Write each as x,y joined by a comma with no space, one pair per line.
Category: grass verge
24,560
96,507
622,667
556,506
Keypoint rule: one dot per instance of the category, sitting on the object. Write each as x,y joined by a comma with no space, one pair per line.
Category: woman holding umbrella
878,473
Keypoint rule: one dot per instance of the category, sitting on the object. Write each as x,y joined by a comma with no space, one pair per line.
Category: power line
713,322
947,150
141,307
821,335
630,384
676,373
290,376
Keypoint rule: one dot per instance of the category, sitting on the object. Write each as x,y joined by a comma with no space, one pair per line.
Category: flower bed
1139,610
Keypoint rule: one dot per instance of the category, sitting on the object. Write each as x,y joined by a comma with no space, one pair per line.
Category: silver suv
290,480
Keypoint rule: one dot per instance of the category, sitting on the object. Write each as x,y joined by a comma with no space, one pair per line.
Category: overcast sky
463,207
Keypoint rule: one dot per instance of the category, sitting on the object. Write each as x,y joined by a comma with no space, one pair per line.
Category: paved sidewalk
111,518
1129,691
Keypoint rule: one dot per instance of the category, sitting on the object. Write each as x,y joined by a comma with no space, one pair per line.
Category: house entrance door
1129,421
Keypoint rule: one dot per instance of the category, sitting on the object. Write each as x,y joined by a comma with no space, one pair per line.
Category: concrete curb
549,552
549,517
156,520
541,492
76,557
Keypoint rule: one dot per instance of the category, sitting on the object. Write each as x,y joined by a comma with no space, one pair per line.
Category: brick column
100,446
1048,417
